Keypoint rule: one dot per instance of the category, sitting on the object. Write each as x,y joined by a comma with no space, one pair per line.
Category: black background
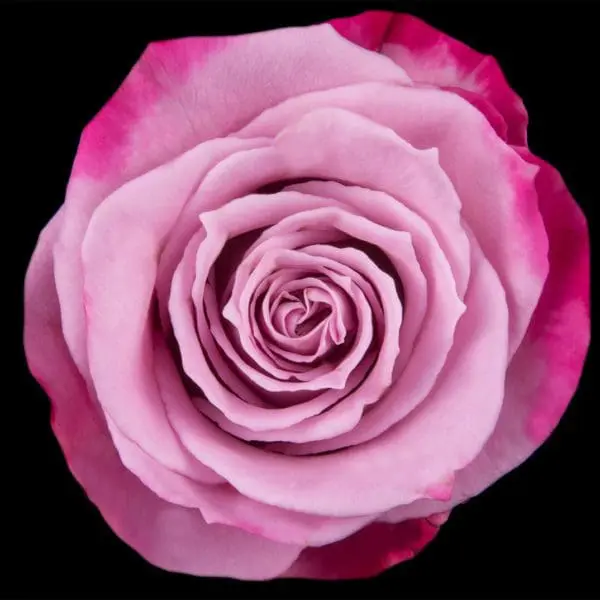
533,534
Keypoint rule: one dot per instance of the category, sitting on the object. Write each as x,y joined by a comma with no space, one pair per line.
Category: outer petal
181,92
179,178
120,257
494,185
545,371
184,92
368,29
375,548
560,326
169,536
434,58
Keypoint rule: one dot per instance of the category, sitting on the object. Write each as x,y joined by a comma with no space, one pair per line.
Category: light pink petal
187,171
298,127
273,326
428,326
386,162
276,315
224,504
169,536
432,57
269,376
291,342
339,412
495,186
120,254
345,414
415,457
186,225
374,549
546,368
236,400
180,93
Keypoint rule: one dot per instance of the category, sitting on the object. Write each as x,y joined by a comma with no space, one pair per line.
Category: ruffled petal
545,370
169,536
492,185
178,95
408,456
223,503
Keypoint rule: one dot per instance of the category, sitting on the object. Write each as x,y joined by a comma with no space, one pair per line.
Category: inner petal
221,401
304,337
227,222
316,311
260,369
319,311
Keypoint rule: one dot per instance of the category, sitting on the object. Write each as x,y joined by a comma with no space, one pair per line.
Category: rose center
304,314
312,315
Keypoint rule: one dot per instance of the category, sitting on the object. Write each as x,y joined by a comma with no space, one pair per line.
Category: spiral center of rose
300,311
311,314
300,318
300,314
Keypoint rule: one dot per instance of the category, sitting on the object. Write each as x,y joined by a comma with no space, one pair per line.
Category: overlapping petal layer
284,336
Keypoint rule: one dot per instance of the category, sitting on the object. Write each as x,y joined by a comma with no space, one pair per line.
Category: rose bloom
308,291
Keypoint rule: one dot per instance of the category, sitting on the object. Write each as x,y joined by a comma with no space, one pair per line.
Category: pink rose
308,291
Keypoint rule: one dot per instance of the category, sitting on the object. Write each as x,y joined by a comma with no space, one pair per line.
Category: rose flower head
308,291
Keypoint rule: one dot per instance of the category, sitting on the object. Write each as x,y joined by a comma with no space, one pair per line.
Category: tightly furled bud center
303,313
309,314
